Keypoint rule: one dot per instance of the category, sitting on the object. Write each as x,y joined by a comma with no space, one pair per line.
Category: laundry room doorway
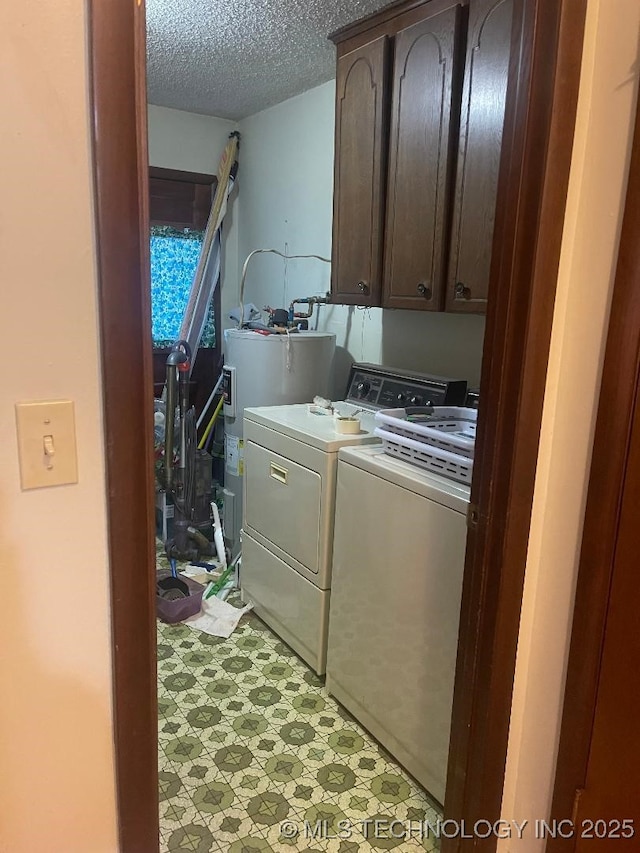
536,155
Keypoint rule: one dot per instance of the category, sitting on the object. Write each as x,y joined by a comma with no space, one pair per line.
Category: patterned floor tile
249,738
178,811
235,823
171,728
192,836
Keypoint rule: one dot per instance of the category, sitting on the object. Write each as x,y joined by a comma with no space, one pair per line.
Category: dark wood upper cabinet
420,152
361,122
420,234
482,118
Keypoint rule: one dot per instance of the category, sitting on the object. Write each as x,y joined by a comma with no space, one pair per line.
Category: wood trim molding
177,175
536,157
388,13
118,94
602,515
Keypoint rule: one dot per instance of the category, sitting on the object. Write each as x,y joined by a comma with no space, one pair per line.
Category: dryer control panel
388,388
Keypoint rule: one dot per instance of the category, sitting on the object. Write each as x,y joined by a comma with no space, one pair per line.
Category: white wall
599,169
57,791
186,141
285,202
194,143
286,192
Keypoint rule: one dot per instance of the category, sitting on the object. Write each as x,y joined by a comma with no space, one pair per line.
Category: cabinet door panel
424,81
481,125
359,174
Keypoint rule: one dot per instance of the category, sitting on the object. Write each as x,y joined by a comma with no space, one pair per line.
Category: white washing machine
398,560
291,460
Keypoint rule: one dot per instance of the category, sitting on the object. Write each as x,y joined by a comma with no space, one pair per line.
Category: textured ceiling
233,58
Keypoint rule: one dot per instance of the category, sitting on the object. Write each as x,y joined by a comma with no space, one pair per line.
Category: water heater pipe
267,252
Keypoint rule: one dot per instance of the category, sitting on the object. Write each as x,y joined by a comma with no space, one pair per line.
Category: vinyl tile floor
249,739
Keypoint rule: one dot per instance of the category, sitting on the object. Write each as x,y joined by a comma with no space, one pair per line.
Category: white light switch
46,443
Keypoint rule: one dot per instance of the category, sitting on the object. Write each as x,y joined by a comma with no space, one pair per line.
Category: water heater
265,370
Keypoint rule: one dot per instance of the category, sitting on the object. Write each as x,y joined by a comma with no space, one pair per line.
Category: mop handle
218,536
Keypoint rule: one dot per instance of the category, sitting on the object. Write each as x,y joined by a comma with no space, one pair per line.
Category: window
174,258
179,204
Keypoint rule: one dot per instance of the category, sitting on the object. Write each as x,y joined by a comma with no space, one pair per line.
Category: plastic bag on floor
217,617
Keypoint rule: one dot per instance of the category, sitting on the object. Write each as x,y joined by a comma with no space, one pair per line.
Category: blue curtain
174,258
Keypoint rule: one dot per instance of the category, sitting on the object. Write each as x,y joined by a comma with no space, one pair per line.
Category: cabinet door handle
462,291
362,286
424,290
278,473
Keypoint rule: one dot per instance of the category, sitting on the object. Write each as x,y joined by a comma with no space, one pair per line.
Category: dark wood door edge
117,52
602,516
536,157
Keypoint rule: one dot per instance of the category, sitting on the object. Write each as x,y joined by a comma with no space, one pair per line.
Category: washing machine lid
317,430
430,485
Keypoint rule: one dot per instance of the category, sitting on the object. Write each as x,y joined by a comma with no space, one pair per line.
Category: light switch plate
46,443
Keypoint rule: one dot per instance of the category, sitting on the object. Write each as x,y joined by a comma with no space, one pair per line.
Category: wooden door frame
536,156
617,405
118,98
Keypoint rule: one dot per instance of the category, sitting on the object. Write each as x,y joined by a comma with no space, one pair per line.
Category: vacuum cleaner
187,472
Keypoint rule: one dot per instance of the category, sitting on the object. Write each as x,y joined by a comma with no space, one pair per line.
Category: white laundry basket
442,440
